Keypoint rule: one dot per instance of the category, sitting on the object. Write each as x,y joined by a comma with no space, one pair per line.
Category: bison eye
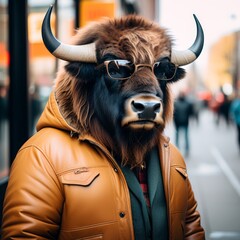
164,70
120,69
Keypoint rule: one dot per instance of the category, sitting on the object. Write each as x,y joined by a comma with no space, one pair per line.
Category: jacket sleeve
193,228
33,199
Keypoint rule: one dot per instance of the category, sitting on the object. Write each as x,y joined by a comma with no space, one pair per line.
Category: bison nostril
137,106
156,107
146,109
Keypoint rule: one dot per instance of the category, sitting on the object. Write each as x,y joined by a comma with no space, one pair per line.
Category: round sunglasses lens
120,69
164,70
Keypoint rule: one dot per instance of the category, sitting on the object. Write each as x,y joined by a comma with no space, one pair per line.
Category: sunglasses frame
136,67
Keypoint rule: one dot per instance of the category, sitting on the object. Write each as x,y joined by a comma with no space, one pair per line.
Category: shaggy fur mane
132,38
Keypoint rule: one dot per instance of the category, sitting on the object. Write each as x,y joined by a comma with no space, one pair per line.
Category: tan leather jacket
49,194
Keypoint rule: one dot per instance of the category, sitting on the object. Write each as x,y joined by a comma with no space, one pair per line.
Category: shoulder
55,146
49,140
48,136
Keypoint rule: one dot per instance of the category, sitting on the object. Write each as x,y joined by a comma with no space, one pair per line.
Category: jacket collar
153,173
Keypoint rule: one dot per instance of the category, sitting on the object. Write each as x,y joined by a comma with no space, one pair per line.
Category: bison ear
180,74
82,71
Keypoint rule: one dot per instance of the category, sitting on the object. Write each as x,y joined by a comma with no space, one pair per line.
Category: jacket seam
88,227
61,173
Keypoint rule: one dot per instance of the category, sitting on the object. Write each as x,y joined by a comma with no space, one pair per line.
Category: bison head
115,85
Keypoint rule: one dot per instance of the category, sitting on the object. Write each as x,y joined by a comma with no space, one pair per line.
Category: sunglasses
124,69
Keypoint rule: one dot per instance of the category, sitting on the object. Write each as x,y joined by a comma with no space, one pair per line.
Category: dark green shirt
148,223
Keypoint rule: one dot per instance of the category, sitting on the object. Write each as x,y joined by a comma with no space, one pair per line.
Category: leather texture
65,187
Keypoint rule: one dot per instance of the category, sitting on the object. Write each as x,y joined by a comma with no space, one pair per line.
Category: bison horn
181,58
82,53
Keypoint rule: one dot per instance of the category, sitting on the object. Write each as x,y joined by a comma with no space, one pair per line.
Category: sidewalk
214,171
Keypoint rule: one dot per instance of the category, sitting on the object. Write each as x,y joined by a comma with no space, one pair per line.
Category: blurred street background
214,156
214,169
27,73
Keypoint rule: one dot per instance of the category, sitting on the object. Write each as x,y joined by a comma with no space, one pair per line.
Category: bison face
118,89
127,115
130,96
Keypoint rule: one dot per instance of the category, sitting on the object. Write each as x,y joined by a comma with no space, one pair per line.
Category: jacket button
122,214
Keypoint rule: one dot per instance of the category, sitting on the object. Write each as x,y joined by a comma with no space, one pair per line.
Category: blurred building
223,70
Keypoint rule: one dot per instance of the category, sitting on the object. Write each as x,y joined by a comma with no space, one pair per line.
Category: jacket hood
52,117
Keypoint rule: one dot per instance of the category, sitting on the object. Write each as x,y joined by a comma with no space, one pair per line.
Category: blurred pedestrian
183,110
223,111
235,115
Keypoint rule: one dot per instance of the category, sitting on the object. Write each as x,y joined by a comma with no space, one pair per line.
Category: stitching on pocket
84,178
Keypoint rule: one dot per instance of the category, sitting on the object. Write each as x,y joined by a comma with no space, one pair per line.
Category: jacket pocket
81,177
182,171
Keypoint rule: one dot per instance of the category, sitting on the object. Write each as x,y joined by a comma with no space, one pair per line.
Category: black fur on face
84,72
105,98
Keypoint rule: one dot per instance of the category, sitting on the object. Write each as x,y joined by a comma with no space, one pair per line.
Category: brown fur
131,38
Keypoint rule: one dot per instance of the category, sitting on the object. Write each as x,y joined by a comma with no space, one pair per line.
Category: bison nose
146,109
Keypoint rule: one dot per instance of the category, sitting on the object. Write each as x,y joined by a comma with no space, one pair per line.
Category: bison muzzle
143,111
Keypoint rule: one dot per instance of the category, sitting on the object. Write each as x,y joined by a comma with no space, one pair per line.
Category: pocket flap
183,171
80,176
